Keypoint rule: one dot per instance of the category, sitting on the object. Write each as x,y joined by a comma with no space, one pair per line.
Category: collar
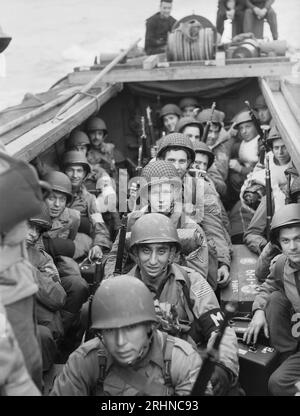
292,268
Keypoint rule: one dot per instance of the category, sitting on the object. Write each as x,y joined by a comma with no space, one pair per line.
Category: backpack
137,380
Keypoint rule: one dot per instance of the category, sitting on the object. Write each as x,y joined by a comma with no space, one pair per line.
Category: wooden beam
150,62
290,100
285,121
187,72
39,139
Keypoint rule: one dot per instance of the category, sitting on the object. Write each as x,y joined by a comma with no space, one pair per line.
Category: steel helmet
153,228
95,123
205,115
176,140
121,301
77,138
73,157
170,109
242,117
188,121
273,134
286,216
188,102
201,147
60,183
160,171
260,102
43,220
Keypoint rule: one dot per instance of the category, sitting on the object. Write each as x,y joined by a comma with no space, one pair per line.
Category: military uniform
14,377
97,234
81,374
157,29
196,306
17,290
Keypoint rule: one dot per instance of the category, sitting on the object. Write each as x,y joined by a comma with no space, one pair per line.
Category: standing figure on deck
256,12
233,10
157,28
276,308
129,356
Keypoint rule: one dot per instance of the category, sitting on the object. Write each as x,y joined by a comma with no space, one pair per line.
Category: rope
190,42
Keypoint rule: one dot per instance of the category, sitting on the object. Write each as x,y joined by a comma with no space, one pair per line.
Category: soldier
129,356
256,11
244,154
78,140
199,200
23,197
65,225
14,377
186,304
170,115
157,28
161,192
218,140
276,308
101,151
191,128
51,296
93,236
189,107
204,166
263,113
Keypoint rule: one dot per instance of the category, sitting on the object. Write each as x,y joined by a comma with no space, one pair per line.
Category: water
51,37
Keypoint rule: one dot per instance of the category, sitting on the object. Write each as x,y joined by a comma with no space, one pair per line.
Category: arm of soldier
217,179
254,235
264,260
185,365
198,259
213,228
51,294
14,377
258,322
207,311
101,235
75,223
79,375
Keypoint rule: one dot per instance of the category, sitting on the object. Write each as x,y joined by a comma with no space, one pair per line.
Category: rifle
262,134
121,246
208,124
268,197
153,147
211,355
142,148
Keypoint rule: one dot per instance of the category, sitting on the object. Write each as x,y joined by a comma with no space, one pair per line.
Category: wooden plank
36,141
285,121
188,72
290,100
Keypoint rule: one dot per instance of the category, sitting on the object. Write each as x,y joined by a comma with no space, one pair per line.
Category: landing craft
121,90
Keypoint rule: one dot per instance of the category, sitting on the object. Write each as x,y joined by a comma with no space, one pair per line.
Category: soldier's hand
235,165
95,253
258,321
220,381
223,276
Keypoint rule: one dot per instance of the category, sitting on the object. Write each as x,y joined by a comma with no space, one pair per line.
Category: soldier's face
33,234
264,115
247,131
165,9
154,258
179,159
161,197
213,134
127,344
81,148
96,137
76,174
280,152
289,239
192,132
188,111
56,203
170,121
201,161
